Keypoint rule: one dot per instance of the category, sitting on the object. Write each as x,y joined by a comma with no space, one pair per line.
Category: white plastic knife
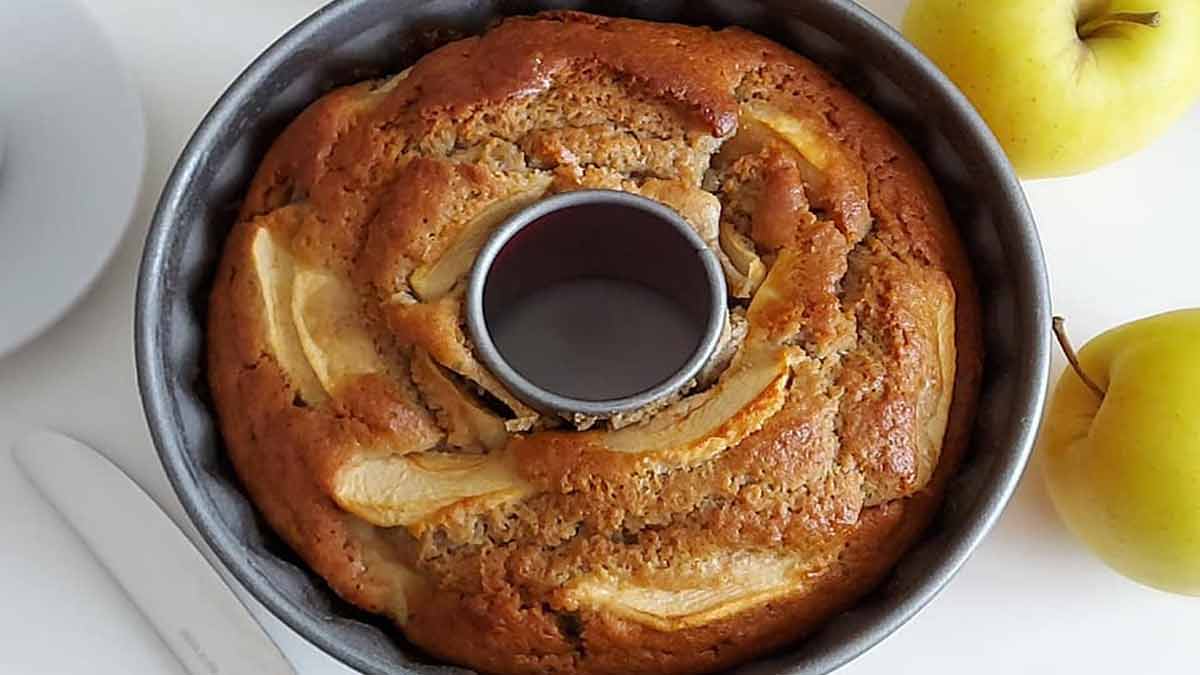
191,608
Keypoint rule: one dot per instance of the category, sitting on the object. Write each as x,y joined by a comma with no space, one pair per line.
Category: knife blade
188,604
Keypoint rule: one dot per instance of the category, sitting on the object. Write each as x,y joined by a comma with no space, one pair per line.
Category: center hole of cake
596,338
599,301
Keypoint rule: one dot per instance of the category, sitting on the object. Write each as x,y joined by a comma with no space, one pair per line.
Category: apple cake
773,494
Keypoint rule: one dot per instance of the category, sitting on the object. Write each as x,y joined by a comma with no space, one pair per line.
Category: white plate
75,148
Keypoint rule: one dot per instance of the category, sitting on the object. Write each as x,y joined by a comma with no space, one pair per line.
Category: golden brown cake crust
727,524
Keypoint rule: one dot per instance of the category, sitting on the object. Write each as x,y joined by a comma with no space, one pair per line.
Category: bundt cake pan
350,40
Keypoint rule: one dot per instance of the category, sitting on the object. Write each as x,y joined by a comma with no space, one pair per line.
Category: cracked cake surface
774,493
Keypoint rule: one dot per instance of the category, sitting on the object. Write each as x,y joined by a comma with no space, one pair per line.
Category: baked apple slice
836,180
748,268
694,592
801,133
468,425
433,280
699,427
275,269
328,319
403,490
434,327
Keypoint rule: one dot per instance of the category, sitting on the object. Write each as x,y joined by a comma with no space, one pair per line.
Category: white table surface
1121,243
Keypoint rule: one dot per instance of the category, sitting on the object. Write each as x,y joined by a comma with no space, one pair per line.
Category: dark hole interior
597,302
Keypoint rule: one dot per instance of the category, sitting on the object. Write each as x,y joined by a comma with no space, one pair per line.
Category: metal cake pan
350,40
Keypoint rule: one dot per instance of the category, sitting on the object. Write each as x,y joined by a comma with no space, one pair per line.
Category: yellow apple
1121,448
1066,85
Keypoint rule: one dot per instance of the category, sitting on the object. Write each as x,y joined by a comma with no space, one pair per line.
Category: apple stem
1060,332
1090,28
